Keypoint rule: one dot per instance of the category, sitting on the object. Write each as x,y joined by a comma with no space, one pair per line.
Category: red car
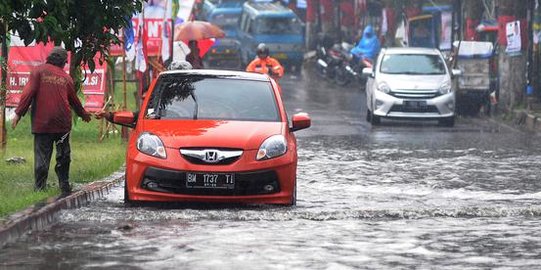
212,136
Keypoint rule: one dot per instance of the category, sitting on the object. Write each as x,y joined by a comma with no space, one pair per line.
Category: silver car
410,83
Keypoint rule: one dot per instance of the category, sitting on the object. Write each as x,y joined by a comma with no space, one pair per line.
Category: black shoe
64,194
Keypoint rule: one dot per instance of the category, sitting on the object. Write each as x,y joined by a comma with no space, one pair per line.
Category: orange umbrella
197,30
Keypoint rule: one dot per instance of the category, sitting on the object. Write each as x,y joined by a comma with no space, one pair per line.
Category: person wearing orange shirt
265,64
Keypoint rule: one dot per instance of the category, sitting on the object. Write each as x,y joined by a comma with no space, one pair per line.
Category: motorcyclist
368,46
265,64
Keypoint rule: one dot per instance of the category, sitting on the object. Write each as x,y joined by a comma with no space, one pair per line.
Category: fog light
379,104
152,185
268,188
451,106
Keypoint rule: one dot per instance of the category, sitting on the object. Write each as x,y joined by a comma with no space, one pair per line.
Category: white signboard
446,30
185,9
513,37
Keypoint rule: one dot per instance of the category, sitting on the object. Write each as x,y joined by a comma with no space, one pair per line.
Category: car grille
414,93
200,161
420,109
247,183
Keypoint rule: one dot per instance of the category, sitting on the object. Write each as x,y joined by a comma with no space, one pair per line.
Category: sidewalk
527,119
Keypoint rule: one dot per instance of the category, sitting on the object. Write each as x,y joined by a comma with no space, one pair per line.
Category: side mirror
124,118
368,72
456,72
300,121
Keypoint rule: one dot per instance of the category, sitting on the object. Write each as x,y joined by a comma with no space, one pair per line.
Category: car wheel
127,200
341,77
448,122
294,195
375,120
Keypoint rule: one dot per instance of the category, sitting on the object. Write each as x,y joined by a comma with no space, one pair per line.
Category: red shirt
51,92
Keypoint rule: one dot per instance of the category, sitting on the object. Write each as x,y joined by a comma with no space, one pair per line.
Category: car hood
421,82
245,135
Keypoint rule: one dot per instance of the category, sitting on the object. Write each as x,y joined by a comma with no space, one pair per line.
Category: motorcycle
350,69
328,57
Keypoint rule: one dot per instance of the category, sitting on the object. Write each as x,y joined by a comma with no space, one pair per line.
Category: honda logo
211,156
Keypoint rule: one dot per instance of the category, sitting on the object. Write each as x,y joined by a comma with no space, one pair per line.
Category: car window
225,20
415,64
200,97
273,26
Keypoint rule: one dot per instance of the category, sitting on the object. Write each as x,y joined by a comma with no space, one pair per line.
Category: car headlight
151,144
383,87
445,87
272,147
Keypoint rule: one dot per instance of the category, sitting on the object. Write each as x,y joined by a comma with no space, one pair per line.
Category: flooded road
403,195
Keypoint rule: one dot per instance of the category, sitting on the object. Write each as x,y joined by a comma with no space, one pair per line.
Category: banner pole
124,130
3,92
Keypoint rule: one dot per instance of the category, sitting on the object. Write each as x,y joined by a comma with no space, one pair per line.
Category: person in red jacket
265,64
51,93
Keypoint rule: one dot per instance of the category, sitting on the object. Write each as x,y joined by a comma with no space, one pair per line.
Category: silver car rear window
412,64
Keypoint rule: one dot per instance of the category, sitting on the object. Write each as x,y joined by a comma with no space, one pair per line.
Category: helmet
262,50
180,65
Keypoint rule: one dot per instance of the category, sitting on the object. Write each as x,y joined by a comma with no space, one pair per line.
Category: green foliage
85,27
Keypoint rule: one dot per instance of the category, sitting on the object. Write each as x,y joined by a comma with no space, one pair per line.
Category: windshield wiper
196,107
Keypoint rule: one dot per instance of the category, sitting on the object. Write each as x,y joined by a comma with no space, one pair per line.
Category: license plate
210,180
414,104
280,56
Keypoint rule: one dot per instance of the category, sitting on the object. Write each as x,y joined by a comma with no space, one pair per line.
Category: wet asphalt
402,195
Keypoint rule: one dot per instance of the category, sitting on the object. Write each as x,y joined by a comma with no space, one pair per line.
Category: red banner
154,30
22,60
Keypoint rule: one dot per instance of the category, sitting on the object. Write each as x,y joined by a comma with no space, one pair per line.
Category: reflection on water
377,201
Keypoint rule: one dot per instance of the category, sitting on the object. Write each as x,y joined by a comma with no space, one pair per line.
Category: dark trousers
43,150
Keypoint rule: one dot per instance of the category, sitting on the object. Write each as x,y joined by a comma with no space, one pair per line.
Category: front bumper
385,105
270,181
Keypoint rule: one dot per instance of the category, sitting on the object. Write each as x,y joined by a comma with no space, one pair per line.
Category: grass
91,160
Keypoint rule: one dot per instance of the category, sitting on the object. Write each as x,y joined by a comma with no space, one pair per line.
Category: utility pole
3,89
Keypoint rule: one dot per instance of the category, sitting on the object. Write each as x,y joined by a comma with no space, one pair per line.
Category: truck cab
275,25
225,53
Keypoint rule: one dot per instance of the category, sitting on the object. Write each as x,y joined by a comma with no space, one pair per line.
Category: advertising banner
513,37
22,60
446,30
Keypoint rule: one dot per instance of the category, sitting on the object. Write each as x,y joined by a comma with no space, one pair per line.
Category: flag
129,39
175,7
140,50
166,31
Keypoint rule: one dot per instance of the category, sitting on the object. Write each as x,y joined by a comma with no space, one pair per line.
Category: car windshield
225,21
414,64
278,26
204,97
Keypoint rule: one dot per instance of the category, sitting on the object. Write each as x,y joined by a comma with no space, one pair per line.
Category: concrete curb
526,120
38,218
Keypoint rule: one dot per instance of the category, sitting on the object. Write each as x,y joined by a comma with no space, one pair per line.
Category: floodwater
404,195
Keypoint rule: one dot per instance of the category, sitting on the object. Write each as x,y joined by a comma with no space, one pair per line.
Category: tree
84,27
